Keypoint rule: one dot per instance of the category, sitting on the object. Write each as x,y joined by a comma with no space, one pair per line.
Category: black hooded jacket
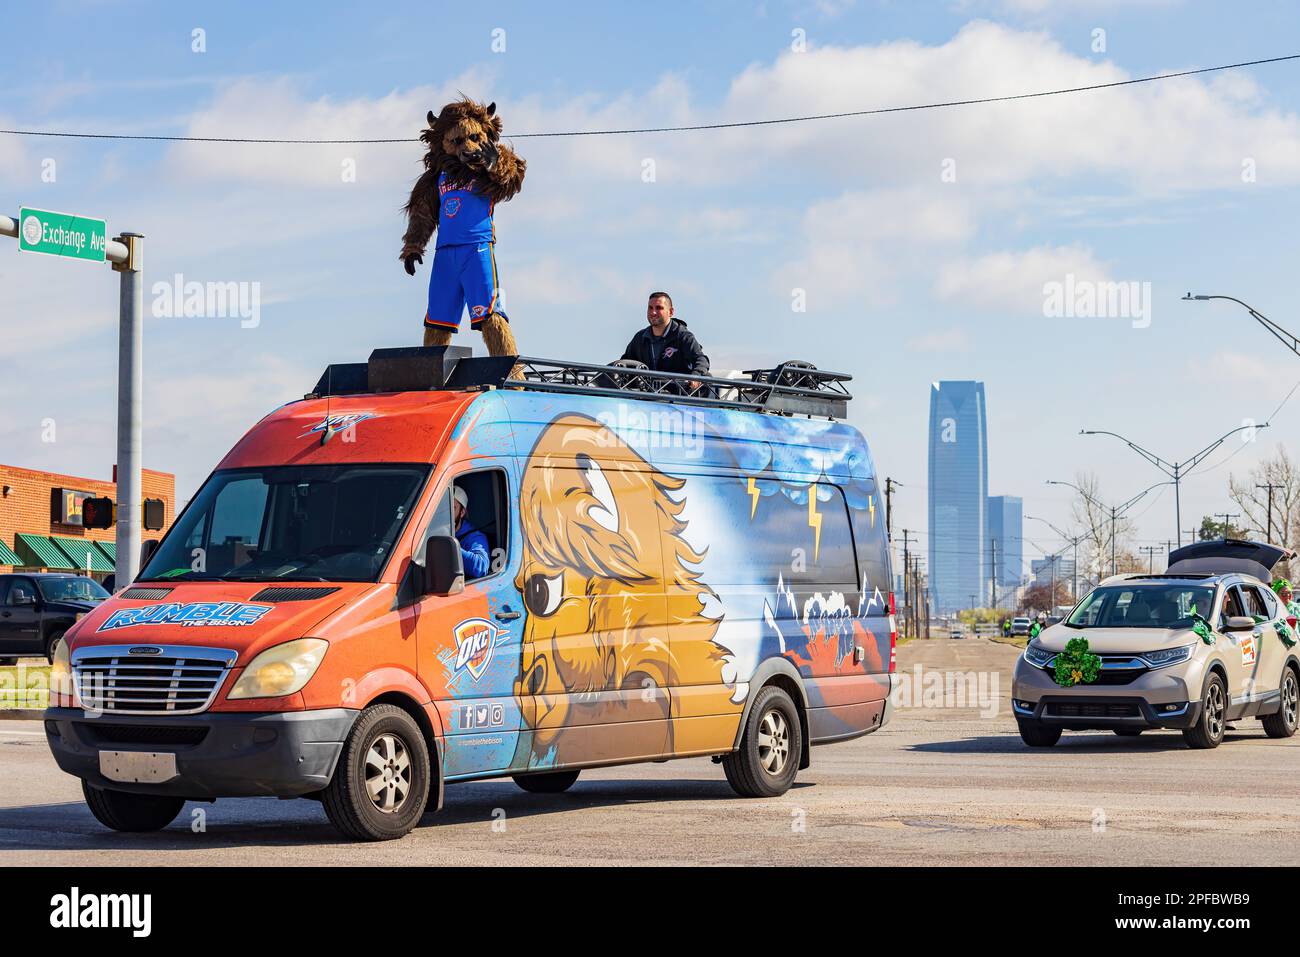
678,350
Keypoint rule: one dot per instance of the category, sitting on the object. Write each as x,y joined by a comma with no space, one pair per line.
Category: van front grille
149,679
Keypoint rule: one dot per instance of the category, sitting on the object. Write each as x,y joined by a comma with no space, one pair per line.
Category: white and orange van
425,572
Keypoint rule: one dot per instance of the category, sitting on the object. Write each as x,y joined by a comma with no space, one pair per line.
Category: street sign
61,234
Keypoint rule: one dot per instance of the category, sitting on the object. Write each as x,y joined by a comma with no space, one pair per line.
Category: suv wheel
123,811
768,757
381,783
1282,723
51,645
1208,732
547,782
1038,735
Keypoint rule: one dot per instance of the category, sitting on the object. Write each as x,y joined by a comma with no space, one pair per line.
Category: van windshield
1144,606
290,523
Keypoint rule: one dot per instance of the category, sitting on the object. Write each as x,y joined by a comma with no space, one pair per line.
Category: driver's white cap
460,496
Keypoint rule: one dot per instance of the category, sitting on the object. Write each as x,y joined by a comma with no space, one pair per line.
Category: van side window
484,529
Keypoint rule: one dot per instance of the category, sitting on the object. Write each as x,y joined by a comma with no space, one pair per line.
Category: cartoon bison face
467,132
601,535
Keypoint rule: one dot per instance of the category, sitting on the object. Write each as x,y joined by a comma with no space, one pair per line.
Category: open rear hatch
1227,555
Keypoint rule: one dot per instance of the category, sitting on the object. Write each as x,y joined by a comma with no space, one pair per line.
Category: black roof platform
792,388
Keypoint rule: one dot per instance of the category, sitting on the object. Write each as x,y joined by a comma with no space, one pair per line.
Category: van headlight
1037,656
61,683
281,670
1167,656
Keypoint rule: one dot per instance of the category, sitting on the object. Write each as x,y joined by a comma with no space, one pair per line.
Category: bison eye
537,677
542,595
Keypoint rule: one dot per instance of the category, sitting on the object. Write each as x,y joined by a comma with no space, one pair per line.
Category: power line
673,129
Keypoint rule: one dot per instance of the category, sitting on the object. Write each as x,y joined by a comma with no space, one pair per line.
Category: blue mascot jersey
464,216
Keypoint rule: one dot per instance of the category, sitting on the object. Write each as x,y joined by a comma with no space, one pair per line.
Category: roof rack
792,388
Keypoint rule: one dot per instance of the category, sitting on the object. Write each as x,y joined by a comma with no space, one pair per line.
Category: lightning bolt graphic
871,509
814,520
753,494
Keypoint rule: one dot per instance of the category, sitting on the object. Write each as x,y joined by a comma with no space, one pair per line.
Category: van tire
123,811
546,782
767,760
1038,735
1282,722
387,739
1210,726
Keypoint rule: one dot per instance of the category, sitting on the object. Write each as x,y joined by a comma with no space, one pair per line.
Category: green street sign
61,234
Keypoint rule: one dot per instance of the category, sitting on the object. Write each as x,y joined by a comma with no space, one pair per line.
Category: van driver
473,543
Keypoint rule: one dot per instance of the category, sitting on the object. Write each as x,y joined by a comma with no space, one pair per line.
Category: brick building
40,520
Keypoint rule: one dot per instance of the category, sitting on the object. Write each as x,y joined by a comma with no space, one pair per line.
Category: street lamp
1074,574
1115,510
1175,470
1284,337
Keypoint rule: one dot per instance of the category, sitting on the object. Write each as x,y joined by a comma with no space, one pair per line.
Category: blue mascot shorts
463,275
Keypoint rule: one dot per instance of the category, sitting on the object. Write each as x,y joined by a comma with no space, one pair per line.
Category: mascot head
465,132
603,558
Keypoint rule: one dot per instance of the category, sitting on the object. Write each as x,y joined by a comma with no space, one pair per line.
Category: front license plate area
138,767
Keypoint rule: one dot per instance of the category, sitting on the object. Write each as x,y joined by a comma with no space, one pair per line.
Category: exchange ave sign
61,234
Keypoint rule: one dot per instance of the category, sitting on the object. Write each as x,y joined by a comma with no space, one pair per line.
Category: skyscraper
1005,528
959,479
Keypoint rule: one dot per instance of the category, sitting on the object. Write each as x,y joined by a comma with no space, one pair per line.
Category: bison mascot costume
467,171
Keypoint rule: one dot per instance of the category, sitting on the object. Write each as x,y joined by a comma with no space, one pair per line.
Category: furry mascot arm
421,219
507,175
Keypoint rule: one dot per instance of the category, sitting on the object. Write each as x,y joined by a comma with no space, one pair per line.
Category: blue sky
908,277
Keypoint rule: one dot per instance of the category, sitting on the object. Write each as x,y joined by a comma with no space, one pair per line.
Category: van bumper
889,700
282,754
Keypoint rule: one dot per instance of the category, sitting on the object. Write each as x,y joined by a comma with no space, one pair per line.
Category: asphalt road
938,786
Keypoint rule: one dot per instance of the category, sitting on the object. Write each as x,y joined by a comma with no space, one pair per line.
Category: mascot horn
467,171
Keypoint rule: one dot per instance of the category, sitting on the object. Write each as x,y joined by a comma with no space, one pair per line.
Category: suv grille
1093,709
175,680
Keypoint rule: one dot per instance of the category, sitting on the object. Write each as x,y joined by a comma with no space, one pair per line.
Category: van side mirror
444,570
1239,623
147,548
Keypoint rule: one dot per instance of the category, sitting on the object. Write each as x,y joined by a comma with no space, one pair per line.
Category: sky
919,245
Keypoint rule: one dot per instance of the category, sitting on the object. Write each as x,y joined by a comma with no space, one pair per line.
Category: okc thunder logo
452,206
474,640
338,423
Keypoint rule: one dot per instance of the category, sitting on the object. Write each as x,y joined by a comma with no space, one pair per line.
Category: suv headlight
1037,656
1167,656
281,670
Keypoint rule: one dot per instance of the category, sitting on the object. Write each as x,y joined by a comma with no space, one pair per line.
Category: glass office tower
959,479
1005,528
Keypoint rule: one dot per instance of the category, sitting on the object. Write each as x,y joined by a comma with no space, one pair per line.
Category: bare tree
1092,517
1280,471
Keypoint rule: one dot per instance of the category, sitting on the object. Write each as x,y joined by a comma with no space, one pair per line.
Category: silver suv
1205,643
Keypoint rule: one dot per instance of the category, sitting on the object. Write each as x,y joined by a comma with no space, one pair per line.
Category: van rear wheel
546,782
381,783
124,811
1209,727
1282,723
768,757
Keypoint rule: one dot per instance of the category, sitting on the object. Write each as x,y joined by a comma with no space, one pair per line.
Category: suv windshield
71,589
1142,606
291,523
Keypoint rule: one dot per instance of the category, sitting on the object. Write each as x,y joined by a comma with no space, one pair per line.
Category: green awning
8,556
37,551
109,549
82,552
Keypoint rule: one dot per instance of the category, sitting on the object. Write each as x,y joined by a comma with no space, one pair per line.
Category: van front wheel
768,757
381,783
123,811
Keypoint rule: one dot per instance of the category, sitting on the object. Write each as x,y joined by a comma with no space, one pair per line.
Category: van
427,572
1201,645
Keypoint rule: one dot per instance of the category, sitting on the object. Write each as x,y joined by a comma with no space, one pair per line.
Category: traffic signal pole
126,254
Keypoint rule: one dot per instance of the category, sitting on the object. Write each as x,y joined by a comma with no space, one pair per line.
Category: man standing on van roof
666,345
473,543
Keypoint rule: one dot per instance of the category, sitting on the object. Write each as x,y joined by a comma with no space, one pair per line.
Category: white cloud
1013,281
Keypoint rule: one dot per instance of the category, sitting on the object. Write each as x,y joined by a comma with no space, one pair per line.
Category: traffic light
155,514
98,513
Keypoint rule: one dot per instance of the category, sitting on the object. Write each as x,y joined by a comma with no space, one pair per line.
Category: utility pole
907,570
1268,535
1226,516
993,575
126,254
890,485
1193,535
1151,551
